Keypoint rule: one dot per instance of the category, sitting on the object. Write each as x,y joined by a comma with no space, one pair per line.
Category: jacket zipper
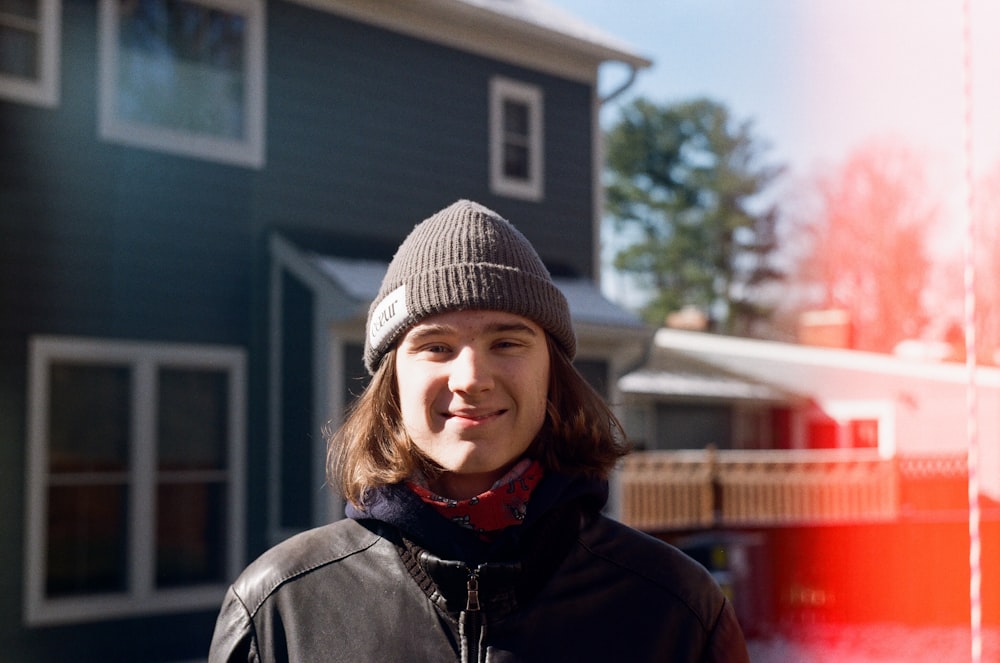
473,626
472,585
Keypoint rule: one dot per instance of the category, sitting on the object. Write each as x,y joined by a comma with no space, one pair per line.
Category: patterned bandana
503,505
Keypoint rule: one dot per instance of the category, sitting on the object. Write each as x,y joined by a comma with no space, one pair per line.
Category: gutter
633,72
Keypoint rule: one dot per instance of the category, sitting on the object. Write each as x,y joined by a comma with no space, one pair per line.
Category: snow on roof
587,304
690,385
789,362
677,375
555,19
360,280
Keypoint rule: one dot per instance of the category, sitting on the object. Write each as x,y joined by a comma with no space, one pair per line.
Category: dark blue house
197,200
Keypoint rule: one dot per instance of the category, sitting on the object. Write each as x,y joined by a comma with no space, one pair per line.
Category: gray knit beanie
464,257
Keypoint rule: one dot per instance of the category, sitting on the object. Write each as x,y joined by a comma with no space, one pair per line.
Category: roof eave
480,30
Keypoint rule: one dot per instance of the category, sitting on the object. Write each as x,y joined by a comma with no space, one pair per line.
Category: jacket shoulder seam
276,581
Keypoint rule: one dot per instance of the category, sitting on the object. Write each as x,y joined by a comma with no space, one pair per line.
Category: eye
435,348
431,349
508,344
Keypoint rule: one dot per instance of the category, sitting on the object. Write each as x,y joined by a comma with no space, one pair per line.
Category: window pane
595,372
181,66
86,540
515,118
190,534
693,426
88,418
864,433
192,419
515,161
18,53
822,434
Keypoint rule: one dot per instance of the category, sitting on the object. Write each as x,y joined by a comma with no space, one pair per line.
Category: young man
475,467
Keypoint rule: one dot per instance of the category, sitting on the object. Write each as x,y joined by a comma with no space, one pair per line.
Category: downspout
598,172
633,71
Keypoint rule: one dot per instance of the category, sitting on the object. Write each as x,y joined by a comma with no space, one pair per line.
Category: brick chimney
828,328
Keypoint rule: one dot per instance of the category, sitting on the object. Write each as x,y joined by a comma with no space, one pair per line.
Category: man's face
472,391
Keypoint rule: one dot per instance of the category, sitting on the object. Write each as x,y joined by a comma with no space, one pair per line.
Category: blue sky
821,77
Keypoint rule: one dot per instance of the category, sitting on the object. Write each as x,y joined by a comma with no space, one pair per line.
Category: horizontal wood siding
111,241
376,131
367,132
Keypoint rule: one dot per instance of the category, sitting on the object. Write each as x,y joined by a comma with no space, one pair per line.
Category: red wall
911,572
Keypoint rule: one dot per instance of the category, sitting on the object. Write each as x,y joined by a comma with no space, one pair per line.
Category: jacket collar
398,506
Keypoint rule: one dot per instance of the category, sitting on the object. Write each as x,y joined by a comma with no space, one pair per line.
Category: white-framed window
516,140
184,77
135,478
862,424
29,51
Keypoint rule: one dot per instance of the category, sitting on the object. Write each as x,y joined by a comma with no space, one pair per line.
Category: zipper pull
472,586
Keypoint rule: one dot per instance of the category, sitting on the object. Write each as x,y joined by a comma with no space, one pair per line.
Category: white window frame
505,89
141,597
248,151
44,90
847,411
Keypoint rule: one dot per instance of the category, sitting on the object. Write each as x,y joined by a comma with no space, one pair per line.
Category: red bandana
501,506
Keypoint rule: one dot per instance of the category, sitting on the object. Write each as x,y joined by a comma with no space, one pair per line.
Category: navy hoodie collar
400,507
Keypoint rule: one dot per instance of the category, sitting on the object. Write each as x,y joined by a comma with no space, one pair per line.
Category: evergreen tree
685,180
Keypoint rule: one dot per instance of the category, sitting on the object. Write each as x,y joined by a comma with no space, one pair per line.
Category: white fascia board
475,28
718,348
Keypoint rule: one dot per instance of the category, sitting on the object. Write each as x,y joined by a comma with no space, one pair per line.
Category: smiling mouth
472,416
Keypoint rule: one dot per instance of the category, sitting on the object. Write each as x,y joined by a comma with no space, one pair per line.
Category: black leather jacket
584,588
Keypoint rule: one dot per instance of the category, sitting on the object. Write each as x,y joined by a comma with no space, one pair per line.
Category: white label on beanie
388,316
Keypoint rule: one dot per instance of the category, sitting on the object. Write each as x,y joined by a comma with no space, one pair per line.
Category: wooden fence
667,490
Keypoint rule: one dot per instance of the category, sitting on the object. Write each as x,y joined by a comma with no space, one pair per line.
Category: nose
469,372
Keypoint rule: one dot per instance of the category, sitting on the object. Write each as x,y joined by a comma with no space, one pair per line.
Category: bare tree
864,244
986,216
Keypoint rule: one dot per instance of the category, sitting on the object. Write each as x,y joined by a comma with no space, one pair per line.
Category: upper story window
185,77
516,141
29,51
135,478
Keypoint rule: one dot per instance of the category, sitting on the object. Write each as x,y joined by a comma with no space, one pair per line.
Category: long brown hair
580,435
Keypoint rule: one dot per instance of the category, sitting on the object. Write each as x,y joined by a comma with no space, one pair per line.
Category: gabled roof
677,376
699,364
791,366
360,281
530,33
561,25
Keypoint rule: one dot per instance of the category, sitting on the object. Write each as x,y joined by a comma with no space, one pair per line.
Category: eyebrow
424,331
504,327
